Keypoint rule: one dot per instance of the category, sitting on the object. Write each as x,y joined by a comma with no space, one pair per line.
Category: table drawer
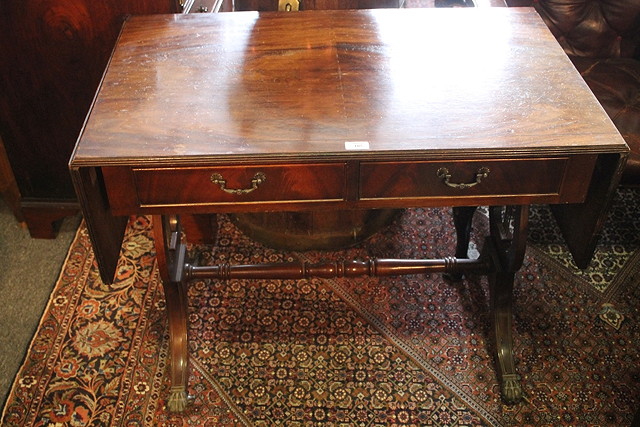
566,178
239,184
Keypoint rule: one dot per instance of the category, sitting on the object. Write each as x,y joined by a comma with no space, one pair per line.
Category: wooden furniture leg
44,219
462,221
507,242
170,254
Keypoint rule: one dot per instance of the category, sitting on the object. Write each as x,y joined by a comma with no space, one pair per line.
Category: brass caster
177,399
511,389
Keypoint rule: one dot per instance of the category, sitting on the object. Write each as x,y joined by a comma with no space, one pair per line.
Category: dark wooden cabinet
8,187
52,56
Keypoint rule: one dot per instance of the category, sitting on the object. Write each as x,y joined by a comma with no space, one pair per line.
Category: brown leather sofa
602,38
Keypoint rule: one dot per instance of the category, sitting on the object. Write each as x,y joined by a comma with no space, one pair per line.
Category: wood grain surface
431,82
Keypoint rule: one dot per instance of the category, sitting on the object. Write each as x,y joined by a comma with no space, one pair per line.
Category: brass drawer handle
443,173
258,179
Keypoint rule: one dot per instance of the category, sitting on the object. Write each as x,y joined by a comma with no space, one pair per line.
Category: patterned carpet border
82,364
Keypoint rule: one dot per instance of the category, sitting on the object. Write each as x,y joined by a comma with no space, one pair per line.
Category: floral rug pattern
368,351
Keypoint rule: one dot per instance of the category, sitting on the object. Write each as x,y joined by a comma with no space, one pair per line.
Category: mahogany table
249,112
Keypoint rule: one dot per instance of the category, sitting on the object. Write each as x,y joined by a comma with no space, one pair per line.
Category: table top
333,84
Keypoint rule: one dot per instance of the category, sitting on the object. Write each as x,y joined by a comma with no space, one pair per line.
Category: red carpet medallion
370,352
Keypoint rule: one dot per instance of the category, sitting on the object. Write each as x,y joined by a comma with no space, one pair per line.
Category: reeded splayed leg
170,253
507,241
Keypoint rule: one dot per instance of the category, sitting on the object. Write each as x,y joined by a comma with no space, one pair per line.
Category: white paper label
356,145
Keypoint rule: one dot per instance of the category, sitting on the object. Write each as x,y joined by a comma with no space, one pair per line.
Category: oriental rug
407,351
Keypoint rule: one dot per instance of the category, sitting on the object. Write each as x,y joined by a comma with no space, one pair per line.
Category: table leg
462,221
507,241
170,252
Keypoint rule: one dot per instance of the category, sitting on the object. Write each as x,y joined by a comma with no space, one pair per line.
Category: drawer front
239,184
475,178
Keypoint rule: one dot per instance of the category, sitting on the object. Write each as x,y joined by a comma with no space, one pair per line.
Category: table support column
170,254
506,245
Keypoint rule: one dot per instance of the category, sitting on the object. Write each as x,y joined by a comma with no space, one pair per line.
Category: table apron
216,188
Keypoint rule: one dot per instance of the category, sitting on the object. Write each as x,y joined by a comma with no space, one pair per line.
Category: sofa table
362,109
